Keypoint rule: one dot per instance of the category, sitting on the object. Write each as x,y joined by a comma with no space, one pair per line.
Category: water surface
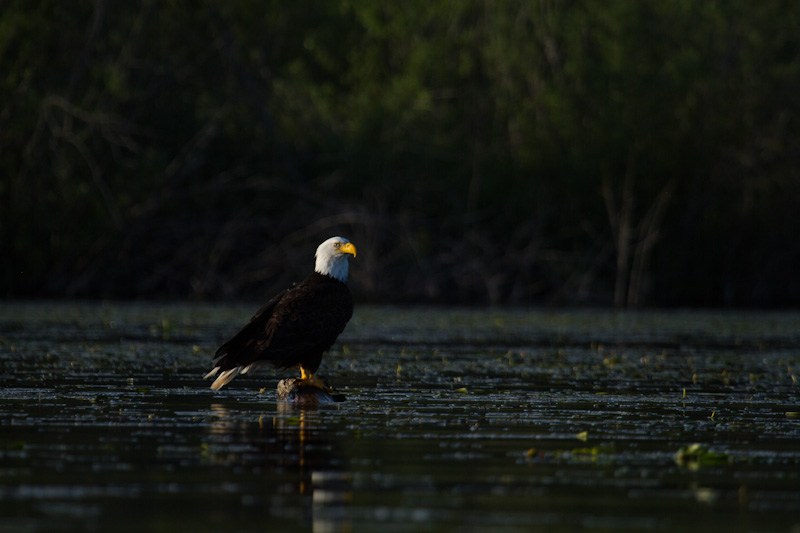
455,420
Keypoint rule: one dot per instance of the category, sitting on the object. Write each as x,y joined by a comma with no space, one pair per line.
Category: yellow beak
348,248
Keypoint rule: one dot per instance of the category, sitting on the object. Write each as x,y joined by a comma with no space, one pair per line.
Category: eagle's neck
332,265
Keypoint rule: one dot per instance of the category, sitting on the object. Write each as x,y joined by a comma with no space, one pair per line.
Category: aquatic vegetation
547,418
697,455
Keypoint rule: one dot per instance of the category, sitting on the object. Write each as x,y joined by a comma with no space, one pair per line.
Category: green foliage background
522,152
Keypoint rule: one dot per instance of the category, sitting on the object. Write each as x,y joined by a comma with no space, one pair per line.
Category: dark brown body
294,328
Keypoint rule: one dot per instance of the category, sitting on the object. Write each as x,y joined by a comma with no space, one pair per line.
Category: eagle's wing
305,323
248,338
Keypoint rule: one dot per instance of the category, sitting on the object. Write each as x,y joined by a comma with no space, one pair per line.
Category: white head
332,258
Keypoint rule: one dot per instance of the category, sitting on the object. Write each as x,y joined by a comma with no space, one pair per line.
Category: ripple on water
454,418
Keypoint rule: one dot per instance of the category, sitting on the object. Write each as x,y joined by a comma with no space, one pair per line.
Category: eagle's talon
311,380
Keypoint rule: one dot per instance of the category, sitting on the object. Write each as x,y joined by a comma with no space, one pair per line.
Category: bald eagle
296,326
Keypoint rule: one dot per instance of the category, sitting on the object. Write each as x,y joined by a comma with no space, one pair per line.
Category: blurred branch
648,236
619,217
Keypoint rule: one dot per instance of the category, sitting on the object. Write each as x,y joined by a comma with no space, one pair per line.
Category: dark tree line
522,152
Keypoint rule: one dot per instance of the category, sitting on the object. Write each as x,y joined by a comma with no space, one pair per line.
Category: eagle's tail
227,375
224,378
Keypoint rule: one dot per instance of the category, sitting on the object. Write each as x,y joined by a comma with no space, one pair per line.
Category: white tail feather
225,377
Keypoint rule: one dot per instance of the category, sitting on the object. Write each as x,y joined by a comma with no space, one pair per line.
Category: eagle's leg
309,379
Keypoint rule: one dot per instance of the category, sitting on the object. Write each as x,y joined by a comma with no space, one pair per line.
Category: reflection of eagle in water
297,326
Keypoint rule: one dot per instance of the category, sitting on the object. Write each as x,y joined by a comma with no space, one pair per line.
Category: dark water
455,421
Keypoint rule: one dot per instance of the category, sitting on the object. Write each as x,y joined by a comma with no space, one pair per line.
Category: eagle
297,326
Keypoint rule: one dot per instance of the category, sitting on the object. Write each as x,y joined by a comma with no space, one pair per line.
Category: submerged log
290,391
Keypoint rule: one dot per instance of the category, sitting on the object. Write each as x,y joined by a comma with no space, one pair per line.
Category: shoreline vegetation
595,153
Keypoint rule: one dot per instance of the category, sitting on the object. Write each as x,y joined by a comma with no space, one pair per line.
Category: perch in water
291,390
297,326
